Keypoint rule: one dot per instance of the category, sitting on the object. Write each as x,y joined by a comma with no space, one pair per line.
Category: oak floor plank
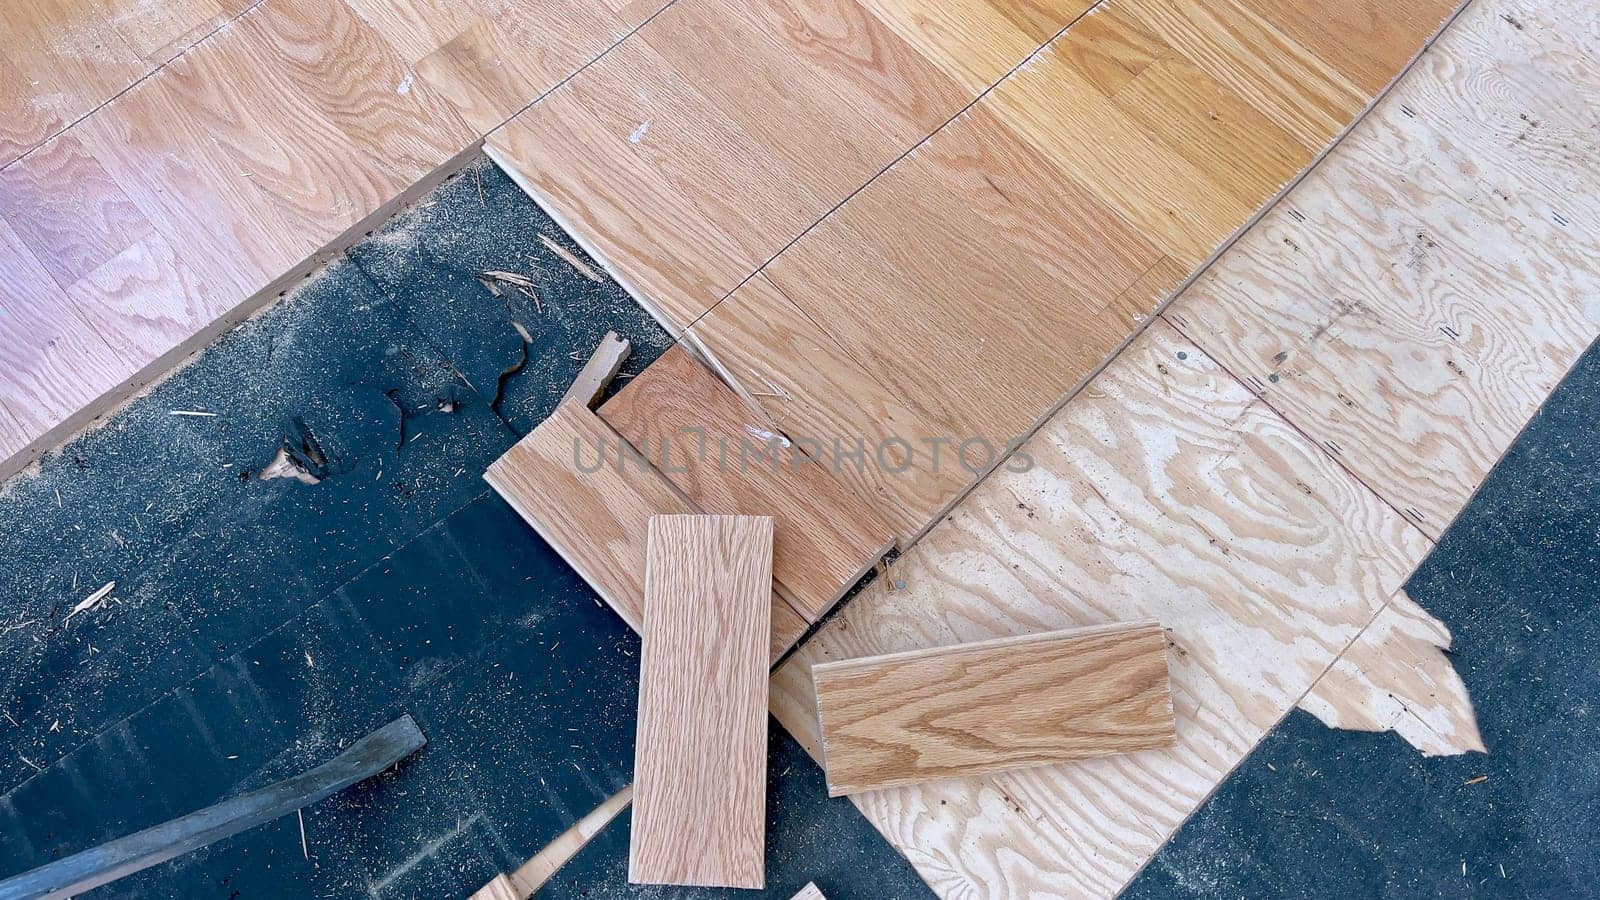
782,362
1167,198
68,210
784,108
968,281
990,706
60,59
727,459
1244,53
700,764
1366,41
1163,490
51,362
598,519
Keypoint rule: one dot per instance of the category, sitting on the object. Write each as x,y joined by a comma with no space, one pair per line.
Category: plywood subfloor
958,286
1178,486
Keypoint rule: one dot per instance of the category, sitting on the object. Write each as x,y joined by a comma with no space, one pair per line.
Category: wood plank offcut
993,705
566,479
699,795
730,459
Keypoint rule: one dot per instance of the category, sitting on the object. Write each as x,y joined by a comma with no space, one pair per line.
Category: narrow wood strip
993,705
728,458
699,809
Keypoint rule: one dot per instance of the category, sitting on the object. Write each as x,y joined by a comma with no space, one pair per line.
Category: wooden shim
699,809
809,892
600,369
597,520
993,705
729,459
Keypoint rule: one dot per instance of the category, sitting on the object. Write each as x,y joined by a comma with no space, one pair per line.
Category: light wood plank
1397,676
569,479
51,362
968,280
1163,490
780,361
699,797
727,460
991,706
67,210
809,892
1415,301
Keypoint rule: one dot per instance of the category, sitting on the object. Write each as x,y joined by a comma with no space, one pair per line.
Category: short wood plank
564,480
993,705
809,892
699,806
728,458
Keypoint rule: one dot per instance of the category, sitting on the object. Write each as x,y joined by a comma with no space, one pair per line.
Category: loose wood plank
1163,490
728,459
699,793
598,519
990,706
809,892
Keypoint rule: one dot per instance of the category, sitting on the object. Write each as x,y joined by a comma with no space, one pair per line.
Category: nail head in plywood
728,459
993,705
699,807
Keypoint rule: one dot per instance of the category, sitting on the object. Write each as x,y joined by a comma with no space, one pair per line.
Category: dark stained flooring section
1320,813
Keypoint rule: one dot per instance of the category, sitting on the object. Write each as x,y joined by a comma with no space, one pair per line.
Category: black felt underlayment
1315,812
257,626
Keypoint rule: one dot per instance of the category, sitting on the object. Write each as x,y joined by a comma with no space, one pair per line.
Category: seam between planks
154,70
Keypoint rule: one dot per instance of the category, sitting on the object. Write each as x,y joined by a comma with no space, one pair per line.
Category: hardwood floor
166,168
1204,481
991,706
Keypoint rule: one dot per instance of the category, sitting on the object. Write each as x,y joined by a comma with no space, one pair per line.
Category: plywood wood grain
1416,301
568,479
1163,490
727,459
699,795
990,706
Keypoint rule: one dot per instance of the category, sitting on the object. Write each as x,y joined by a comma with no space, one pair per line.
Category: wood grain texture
226,145
63,58
1163,490
1397,676
689,156
529,877
992,706
727,460
700,785
569,480
1416,299
53,363
810,386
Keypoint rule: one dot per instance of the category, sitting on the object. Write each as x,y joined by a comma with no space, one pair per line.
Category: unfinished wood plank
809,892
569,479
990,706
1164,490
1414,302
699,794
782,362
727,459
